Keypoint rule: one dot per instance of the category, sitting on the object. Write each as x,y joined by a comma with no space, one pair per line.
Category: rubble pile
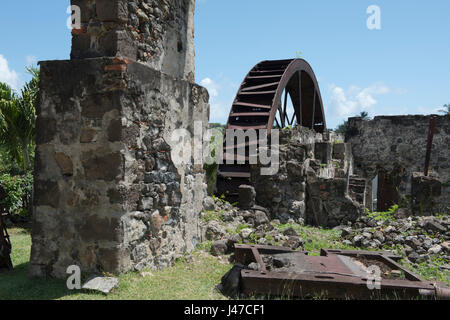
416,239
224,225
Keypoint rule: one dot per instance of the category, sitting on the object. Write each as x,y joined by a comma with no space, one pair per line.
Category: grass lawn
184,281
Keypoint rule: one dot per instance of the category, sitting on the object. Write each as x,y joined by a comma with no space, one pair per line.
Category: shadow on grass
17,285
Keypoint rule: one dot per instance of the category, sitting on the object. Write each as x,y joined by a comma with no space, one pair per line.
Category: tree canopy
18,119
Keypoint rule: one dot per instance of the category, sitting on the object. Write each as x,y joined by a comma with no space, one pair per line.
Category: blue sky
404,68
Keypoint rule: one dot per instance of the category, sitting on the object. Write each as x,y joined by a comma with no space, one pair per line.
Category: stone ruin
311,180
393,149
328,182
108,195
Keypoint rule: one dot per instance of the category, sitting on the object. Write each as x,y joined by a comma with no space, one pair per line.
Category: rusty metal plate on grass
340,274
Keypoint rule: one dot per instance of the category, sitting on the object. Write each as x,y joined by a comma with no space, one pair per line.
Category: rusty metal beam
431,130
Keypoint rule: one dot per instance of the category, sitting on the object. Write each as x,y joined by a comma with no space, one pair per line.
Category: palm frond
18,118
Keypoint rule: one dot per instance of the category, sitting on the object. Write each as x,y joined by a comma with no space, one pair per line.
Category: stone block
45,129
112,10
86,9
65,163
114,260
115,130
341,150
97,228
118,43
247,195
47,192
81,45
106,167
322,152
103,284
425,192
96,105
88,135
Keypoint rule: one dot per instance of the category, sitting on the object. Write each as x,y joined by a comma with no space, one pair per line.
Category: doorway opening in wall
374,192
387,194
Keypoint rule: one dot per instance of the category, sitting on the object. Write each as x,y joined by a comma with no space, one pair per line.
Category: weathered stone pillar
108,195
159,33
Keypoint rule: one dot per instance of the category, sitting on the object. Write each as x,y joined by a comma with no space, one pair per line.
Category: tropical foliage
17,143
18,119
19,189
446,109
343,127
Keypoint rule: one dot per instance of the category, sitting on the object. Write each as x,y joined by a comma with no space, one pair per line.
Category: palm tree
446,109
18,118
364,115
342,128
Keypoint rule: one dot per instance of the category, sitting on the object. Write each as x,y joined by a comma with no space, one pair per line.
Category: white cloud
429,110
211,86
219,111
31,60
220,98
350,102
7,75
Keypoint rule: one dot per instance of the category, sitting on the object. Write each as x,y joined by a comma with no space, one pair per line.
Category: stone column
159,33
108,195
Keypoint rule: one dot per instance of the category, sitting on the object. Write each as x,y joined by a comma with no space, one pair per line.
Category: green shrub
386,215
19,189
216,143
211,176
241,227
213,215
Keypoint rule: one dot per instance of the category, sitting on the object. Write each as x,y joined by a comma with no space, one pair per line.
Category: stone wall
311,181
159,33
397,145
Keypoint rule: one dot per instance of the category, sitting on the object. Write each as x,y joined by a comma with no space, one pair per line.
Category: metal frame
258,105
330,276
270,90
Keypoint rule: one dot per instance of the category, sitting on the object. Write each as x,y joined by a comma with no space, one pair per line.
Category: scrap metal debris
337,274
5,243
5,248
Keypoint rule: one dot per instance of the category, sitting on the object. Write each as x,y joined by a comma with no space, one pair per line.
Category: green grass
317,238
184,281
430,271
213,215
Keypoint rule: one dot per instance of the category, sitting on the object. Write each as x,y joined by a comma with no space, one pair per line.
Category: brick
78,31
116,67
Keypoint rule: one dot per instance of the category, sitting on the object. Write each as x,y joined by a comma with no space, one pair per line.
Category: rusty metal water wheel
274,94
